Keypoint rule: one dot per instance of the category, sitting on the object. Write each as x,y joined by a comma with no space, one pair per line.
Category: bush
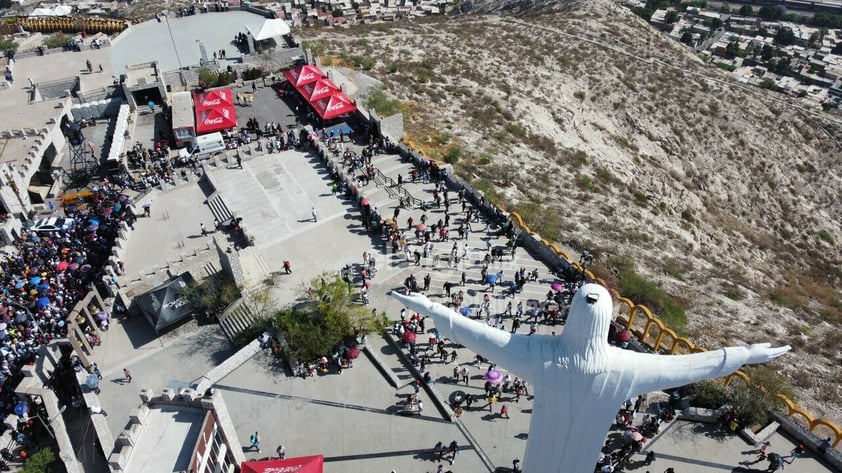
8,44
709,394
56,40
252,74
382,104
453,153
213,294
40,462
645,292
313,328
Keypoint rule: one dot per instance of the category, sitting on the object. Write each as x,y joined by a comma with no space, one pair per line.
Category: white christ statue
579,381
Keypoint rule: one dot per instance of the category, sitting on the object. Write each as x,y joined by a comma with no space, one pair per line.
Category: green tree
785,37
731,50
770,13
643,12
767,53
382,104
40,462
328,315
213,294
671,17
762,31
8,44
56,40
337,13
746,10
715,23
687,38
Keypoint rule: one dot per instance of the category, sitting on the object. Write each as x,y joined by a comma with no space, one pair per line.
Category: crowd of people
44,275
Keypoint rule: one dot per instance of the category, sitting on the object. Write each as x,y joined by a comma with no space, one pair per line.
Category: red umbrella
624,336
409,336
352,353
62,265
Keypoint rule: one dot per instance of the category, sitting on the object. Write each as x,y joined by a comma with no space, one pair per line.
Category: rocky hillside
610,137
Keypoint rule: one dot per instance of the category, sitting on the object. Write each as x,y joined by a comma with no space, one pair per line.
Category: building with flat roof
34,103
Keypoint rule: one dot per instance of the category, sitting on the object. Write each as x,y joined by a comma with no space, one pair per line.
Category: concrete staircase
218,208
236,318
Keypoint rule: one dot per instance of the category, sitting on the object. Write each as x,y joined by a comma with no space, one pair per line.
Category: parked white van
203,146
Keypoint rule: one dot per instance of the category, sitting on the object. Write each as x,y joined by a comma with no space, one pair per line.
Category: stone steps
218,208
236,319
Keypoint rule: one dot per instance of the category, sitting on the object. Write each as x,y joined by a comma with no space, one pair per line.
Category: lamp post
167,18
585,261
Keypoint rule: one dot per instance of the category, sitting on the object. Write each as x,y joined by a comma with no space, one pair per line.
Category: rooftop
161,444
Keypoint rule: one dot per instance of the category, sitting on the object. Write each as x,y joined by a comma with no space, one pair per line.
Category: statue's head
584,340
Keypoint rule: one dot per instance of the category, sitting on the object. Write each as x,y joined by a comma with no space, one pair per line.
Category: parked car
52,224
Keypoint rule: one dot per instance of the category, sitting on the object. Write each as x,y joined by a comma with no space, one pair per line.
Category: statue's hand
763,352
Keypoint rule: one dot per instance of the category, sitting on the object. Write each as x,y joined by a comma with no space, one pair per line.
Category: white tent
270,29
58,10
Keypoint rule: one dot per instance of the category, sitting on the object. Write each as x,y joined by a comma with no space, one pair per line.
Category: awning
214,110
303,75
311,464
166,305
213,98
270,29
318,90
216,119
331,107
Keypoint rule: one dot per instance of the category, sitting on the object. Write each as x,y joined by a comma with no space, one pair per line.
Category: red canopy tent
215,119
213,98
311,464
317,90
303,75
333,106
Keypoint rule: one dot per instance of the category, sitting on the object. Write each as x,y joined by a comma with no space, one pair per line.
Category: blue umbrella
35,280
20,284
21,409
491,279
42,302
465,310
43,287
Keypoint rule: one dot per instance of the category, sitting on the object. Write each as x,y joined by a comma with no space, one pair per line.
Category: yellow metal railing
668,340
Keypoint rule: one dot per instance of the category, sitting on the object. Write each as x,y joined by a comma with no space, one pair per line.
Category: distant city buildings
792,58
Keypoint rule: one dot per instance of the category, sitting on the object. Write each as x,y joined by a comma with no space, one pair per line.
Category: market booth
311,464
215,111
321,93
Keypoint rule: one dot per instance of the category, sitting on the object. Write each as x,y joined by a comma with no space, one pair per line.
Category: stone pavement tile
351,418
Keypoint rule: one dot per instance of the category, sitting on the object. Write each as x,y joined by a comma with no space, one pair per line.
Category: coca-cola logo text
211,103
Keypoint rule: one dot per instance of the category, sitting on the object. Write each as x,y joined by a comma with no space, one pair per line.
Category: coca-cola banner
302,75
213,98
221,117
311,464
318,90
331,107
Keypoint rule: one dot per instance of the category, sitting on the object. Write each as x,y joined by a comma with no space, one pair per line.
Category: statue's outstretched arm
499,346
656,372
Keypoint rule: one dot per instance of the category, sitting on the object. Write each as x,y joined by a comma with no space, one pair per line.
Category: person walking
204,230
453,450
465,374
504,411
127,375
282,453
315,215
650,457
255,441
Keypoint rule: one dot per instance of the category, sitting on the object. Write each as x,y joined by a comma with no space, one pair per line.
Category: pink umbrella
409,336
494,376
62,265
420,227
352,353
73,266
556,286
